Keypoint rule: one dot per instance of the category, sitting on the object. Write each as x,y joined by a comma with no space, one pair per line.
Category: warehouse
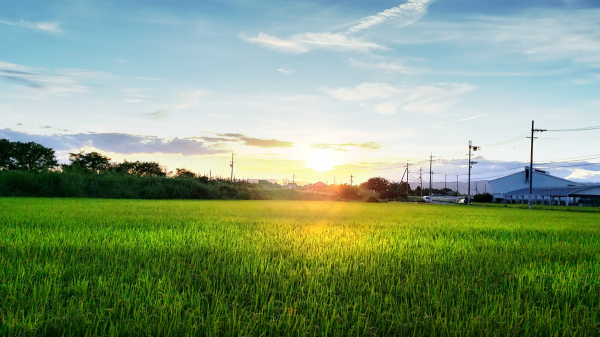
562,196
541,179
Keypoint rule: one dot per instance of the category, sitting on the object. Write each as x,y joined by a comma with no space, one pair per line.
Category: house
292,185
318,187
520,180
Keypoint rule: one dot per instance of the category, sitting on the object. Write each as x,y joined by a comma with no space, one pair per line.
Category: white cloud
540,35
286,71
391,67
302,43
362,92
405,14
425,98
62,82
583,174
52,27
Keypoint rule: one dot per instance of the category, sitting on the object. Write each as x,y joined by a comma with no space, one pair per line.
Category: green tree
378,184
5,154
183,173
93,161
143,169
31,156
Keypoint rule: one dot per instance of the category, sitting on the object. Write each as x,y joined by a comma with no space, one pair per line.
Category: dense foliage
17,156
483,197
243,268
115,186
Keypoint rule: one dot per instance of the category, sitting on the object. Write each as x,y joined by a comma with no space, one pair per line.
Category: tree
17,156
5,154
347,192
93,161
143,169
396,190
378,184
183,173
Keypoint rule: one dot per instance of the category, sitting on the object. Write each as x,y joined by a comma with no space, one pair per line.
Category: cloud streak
302,43
385,99
47,26
406,14
63,82
347,146
256,142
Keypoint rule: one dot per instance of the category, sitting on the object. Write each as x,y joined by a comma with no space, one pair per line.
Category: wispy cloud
47,26
462,120
404,14
387,100
302,43
286,71
346,146
540,35
257,142
390,67
62,82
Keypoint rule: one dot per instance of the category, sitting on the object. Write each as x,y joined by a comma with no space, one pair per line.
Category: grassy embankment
104,267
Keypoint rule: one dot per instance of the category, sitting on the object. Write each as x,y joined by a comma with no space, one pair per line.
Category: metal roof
551,191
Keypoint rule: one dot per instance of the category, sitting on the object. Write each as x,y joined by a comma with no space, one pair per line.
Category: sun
320,161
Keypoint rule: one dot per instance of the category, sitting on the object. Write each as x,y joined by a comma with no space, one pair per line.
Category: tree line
30,169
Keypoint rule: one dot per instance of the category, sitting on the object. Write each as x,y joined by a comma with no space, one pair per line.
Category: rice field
85,267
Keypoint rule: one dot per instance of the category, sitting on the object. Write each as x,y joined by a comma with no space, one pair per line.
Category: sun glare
320,161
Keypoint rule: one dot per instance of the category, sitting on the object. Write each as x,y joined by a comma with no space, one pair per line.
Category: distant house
292,185
547,189
318,187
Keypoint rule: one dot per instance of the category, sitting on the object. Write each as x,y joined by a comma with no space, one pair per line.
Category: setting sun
320,161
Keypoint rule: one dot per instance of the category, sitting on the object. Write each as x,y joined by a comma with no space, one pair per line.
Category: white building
547,189
520,180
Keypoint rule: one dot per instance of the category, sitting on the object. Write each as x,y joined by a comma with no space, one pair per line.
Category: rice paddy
85,267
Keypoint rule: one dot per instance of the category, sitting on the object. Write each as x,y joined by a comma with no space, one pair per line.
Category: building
520,180
547,190
565,196
292,185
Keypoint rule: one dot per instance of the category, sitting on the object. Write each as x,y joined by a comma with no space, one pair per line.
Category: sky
311,91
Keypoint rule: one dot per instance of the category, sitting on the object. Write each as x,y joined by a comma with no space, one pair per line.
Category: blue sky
315,89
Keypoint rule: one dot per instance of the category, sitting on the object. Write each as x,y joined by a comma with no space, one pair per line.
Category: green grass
266,268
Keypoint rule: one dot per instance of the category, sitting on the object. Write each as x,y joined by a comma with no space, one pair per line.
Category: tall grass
247,268
117,186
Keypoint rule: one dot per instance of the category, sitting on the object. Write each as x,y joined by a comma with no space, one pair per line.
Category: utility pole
210,174
457,191
293,179
531,162
351,179
474,148
430,172
445,188
421,179
407,180
231,166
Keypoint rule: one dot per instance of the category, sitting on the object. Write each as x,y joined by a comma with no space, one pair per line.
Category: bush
483,198
372,199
